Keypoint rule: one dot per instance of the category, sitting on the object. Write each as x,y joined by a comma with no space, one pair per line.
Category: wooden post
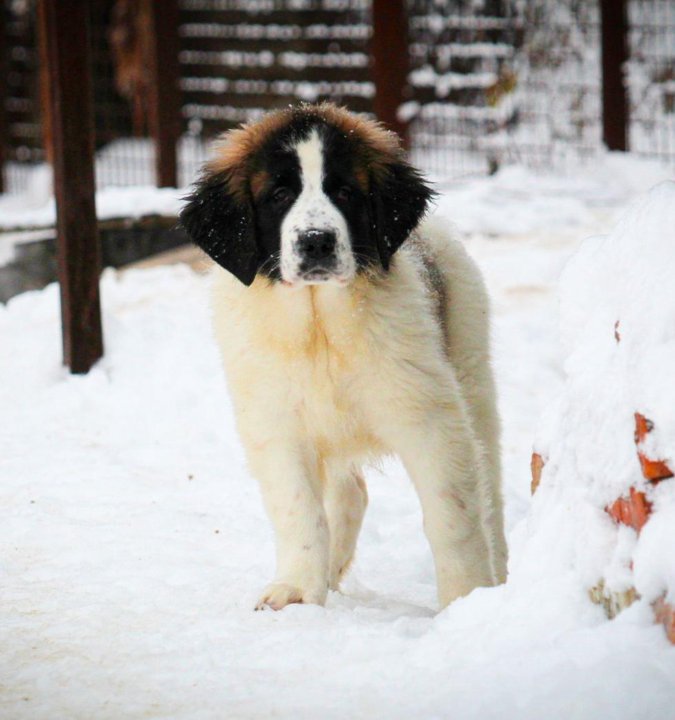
4,134
65,27
615,113
164,105
389,49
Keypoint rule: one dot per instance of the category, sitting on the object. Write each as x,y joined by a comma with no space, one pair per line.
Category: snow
301,89
301,61
36,209
227,58
17,211
133,543
520,201
618,285
272,31
443,83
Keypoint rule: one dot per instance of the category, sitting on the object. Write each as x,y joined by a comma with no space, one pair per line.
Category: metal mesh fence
651,78
463,63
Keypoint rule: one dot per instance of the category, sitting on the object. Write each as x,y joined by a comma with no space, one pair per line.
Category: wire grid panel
507,82
556,99
651,78
461,58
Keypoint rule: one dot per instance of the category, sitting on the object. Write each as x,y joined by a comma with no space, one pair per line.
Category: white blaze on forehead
310,156
314,210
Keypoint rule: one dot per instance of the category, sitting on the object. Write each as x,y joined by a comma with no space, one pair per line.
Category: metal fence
491,83
651,78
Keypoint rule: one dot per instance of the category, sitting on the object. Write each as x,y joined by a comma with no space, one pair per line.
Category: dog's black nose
316,244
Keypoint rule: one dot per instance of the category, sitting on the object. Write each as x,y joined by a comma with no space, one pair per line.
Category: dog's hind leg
345,499
445,463
445,466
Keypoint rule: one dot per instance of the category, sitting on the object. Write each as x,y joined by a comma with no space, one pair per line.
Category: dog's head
306,195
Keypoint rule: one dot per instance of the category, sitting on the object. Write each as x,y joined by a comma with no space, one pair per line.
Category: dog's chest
327,385
301,364
327,369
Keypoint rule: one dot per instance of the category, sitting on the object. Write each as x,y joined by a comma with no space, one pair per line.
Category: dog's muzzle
316,249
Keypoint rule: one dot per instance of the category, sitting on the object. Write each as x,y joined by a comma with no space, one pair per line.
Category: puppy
348,332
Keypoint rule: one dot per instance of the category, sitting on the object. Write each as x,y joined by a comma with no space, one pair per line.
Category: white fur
313,210
324,378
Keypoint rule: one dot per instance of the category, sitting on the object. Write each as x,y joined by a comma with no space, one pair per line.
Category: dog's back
464,314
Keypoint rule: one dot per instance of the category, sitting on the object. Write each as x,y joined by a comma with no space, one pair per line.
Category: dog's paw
277,595
452,588
337,575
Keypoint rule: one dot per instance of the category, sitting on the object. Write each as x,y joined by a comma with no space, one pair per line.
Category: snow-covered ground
133,543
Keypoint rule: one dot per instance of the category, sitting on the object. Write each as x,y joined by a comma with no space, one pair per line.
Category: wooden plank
272,99
361,73
297,16
164,106
614,24
389,49
65,27
299,45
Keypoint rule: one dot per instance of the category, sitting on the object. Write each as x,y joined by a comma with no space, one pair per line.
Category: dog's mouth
318,275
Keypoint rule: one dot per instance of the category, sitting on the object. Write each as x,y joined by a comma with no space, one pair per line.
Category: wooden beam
65,27
164,106
4,134
391,65
615,112
45,109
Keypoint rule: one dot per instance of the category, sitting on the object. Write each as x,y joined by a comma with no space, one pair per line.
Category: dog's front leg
444,463
291,492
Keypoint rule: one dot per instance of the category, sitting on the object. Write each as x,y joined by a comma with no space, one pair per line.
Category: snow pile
520,201
618,336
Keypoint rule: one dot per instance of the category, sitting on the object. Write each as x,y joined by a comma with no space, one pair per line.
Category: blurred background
489,82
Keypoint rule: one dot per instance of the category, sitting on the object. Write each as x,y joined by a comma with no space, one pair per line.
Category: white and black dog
349,332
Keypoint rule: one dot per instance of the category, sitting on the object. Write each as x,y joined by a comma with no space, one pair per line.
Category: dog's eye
282,195
344,193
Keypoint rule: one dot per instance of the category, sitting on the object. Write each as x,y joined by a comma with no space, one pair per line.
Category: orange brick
633,511
536,466
652,470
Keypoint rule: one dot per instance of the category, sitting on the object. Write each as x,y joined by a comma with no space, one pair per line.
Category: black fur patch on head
222,226
381,197
342,186
398,200
274,201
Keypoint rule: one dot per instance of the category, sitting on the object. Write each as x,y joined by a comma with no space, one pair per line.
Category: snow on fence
604,458
492,83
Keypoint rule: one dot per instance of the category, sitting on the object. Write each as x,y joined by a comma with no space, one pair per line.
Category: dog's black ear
399,199
222,225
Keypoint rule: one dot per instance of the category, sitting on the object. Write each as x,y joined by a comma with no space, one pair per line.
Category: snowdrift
133,542
605,453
